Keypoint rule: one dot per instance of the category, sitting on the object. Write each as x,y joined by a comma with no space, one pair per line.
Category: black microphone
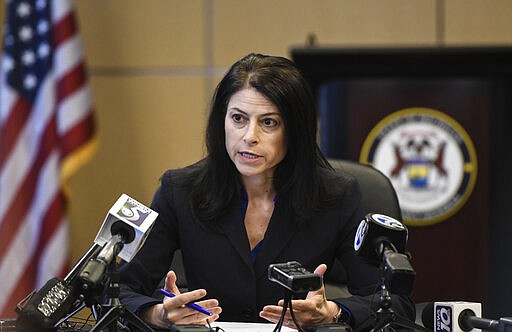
382,240
41,310
469,321
377,232
460,316
92,252
92,280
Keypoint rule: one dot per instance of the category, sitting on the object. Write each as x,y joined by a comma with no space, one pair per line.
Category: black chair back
378,194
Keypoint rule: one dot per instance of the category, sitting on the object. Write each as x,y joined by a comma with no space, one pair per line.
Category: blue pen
191,305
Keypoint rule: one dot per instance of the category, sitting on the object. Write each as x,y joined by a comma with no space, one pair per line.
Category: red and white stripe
41,145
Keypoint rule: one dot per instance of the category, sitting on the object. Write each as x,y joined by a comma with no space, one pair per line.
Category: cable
287,305
299,328
281,319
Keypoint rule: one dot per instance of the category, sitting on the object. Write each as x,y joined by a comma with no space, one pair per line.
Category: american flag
46,132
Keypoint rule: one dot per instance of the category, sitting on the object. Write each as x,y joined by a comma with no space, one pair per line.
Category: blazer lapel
279,232
233,226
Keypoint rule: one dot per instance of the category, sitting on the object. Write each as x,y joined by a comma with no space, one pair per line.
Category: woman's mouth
248,155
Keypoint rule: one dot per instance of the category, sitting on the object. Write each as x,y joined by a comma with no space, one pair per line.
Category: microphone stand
386,316
115,311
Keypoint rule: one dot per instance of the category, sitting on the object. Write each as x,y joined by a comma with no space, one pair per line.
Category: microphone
378,232
41,310
136,216
382,239
128,221
93,278
460,316
122,234
92,252
469,321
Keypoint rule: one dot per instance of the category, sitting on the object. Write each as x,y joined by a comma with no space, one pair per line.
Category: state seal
430,160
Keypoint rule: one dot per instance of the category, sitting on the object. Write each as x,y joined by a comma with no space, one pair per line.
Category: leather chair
378,196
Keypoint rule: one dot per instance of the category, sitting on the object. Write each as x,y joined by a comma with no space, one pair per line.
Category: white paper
249,327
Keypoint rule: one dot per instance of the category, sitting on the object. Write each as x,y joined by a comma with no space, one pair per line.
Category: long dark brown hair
297,177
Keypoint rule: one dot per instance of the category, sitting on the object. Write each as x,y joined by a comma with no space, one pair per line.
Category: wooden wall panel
478,22
146,125
136,33
274,26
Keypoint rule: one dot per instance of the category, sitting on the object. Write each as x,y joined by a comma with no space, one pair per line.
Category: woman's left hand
315,309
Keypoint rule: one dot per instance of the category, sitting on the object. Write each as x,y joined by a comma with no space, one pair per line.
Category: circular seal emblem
430,160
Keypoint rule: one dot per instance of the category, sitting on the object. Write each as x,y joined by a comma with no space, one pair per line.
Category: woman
263,194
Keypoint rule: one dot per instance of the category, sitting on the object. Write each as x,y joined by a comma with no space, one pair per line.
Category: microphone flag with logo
136,216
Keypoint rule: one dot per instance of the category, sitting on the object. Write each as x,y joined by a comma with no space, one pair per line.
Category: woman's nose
251,134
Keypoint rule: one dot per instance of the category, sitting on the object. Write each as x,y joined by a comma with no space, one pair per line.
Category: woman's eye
237,118
269,122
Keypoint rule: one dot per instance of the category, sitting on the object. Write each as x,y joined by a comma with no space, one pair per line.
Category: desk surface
249,327
9,325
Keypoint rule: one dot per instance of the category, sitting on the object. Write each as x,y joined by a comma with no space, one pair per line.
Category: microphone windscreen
375,229
427,315
126,231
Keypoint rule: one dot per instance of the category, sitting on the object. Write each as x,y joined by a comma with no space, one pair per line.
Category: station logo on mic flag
444,318
134,212
429,159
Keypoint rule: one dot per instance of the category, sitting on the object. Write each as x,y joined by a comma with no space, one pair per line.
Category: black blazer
221,263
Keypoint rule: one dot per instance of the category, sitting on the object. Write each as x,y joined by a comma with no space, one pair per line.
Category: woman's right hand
173,310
